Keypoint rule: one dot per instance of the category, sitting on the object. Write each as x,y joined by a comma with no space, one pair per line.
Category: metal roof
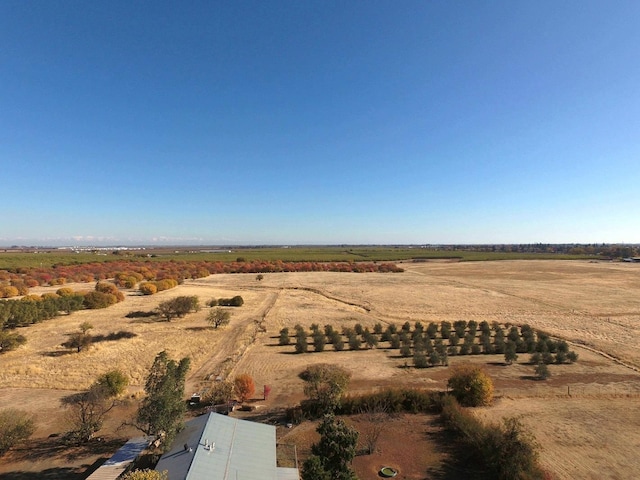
219,447
121,460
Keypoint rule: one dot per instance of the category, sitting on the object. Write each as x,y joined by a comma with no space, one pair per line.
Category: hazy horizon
293,123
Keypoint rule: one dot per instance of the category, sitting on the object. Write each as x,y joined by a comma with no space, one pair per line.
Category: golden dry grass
595,304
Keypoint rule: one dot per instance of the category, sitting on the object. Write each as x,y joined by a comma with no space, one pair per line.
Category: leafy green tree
420,360
313,469
162,410
432,330
219,317
114,382
354,342
434,358
445,329
301,341
470,385
10,341
335,451
178,307
542,371
324,385
319,341
510,354
15,426
370,339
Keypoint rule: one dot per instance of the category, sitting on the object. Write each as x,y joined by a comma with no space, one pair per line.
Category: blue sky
252,122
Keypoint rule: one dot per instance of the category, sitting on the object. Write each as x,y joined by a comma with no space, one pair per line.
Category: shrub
507,451
111,289
148,288
96,299
10,341
236,301
15,427
471,385
324,386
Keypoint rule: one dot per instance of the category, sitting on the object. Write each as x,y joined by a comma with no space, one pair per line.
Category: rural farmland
586,416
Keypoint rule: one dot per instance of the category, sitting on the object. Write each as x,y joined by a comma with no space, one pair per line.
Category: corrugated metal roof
120,461
287,473
222,448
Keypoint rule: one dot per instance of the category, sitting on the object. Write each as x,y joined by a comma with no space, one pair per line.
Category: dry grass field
593,433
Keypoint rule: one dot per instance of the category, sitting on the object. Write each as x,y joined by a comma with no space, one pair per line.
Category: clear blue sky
269,122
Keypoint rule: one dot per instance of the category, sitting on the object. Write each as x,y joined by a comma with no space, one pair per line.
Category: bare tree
373,417
86,412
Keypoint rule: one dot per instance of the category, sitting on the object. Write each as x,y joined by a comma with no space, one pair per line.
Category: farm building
219,447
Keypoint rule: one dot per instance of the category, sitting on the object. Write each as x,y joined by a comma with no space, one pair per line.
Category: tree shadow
141,314
199,329
459,462
58,353
59,447
113,336
531,378
61,473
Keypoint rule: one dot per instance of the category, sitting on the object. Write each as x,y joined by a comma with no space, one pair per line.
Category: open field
12,259
594,305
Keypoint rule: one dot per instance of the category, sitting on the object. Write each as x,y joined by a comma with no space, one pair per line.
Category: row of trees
129,272
149,288
34,309
423,344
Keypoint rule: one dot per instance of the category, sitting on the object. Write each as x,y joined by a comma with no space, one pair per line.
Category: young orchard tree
301,342
218,317
284,337
319,341
542,371
510,354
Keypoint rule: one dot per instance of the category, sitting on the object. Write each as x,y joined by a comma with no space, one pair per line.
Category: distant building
219,447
